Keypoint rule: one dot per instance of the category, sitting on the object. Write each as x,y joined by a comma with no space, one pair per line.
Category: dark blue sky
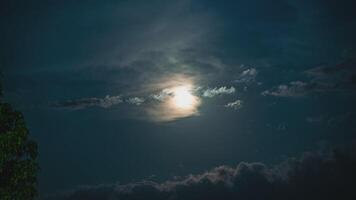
271,80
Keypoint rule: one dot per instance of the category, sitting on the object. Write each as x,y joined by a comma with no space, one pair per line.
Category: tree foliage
18,156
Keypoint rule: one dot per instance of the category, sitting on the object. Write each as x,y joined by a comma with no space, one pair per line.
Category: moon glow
183,98
173,97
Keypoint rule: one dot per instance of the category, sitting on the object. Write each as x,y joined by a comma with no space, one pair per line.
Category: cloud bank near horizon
313,176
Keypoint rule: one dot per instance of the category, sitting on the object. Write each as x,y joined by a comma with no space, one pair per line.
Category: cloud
235,104
329,78
105,102
313,176
167,41
164,107
315,119
341,75
218,91
135,100
157,106
162,95
345,69
247,76
336,120
297,89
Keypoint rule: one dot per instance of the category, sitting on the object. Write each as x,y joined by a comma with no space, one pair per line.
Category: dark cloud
297,89
341,73
107,45
326,78
105,102
333,120
313,176
63,50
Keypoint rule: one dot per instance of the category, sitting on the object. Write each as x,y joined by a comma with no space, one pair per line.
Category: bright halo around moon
177,98
183,98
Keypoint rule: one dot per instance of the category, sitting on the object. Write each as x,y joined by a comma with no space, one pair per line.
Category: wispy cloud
234,105
247,76
293,89
159,106
105,102
218,91
329,78
135,101
345,70
162,95
299,88
342,75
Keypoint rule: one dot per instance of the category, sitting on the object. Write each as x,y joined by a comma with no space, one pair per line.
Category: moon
183,98
175,98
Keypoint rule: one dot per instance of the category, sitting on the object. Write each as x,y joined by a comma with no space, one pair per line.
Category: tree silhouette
18,156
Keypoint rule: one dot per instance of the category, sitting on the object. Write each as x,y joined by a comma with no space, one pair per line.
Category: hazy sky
103,85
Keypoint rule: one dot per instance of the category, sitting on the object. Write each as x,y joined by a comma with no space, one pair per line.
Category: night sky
131,97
